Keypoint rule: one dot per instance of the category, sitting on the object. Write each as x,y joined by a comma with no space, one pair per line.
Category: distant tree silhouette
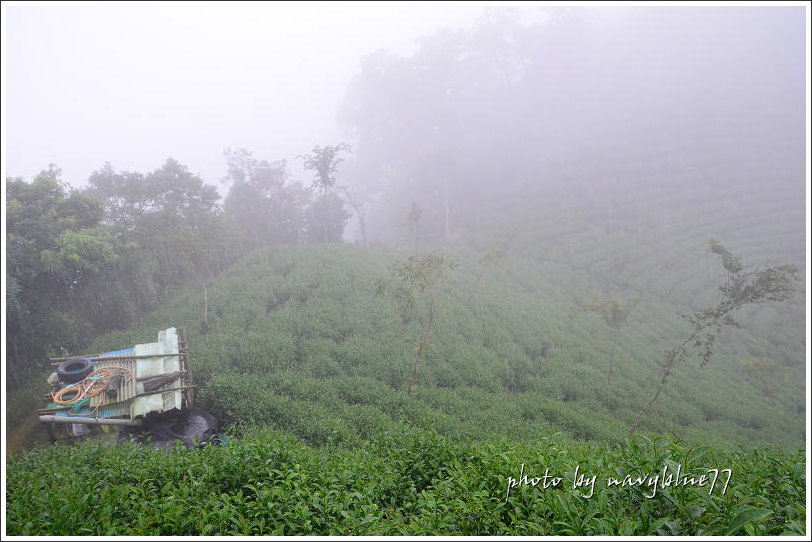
323,161
614,314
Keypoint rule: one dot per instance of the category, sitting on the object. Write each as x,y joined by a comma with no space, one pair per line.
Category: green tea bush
400,482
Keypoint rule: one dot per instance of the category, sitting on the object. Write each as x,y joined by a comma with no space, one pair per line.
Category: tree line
81,262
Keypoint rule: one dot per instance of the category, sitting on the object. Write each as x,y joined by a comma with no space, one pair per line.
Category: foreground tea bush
403,483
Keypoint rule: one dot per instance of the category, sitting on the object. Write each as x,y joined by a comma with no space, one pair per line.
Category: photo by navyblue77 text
666,478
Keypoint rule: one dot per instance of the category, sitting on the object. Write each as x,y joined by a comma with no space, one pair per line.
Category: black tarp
192,427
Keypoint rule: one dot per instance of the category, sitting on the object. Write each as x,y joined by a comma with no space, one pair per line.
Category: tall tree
56,250
326,217
359,206
172,219
323,162
441,125
262,201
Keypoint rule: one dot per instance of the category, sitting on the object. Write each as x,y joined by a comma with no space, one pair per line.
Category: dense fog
150,149
512,108
687,100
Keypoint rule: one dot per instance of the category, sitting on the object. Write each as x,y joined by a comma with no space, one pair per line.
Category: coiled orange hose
92,385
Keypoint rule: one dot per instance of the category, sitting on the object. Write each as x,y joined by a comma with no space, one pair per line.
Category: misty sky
133,84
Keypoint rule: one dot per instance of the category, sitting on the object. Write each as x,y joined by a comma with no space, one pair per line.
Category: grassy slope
299,339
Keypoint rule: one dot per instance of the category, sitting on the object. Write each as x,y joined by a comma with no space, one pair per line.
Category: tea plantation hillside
299,339
308,365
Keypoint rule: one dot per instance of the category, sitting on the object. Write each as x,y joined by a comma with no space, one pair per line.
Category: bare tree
773,283
614,314
411,280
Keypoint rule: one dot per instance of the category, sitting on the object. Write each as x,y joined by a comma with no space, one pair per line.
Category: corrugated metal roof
124,352
114,410
126,390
